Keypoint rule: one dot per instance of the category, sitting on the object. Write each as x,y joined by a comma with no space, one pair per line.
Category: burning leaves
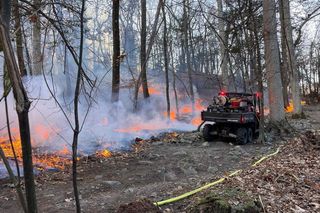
290,108
113,124
104,154
186,112
42,160
153,90
5,145
50,135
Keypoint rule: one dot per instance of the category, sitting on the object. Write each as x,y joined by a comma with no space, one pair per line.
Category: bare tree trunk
22,105
165,52
309,75
28,56
183,63
19,41
76,130
150,45
284,65
16,182
174,76
272,62
36,40
67,73
187,52
143,54
222,44
116,51
294,80
258,73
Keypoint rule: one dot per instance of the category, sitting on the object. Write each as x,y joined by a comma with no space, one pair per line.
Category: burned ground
162,167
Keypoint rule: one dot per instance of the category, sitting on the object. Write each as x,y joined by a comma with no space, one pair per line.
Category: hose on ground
188,194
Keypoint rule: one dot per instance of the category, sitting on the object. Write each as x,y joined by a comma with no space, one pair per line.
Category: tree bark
171,56
294,79
165,55
19,39
22,105
76,130
36,40
116,51
284,65
143,54
150,45
258,72
272,60
16,182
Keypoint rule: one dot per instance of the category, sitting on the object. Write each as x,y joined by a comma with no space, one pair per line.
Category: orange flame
105,153
59,159
187,109
6,147
152,90
64,151
172,115
196,121
290,108
56,160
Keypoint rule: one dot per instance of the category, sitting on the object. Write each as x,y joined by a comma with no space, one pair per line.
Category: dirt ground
163,167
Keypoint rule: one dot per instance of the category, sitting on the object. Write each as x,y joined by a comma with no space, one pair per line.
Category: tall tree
116,51
290,53
222,45
76,130
165,56
187,52
258,68
143,53
22,104
19,41
36,39
284,66
272,60
150,45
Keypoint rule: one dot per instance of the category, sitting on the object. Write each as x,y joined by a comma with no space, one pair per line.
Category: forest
159,106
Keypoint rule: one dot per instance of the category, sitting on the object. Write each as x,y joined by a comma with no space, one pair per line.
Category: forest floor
174,163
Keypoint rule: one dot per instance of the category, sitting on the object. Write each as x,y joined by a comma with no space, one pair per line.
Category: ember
290,108
42,161
104,153
152,90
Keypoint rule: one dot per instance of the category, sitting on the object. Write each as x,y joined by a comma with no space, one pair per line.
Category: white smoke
107,125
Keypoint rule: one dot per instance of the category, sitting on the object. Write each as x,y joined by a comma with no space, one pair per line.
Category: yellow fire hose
180,197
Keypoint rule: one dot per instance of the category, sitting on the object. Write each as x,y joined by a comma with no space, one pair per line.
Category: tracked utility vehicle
232,115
